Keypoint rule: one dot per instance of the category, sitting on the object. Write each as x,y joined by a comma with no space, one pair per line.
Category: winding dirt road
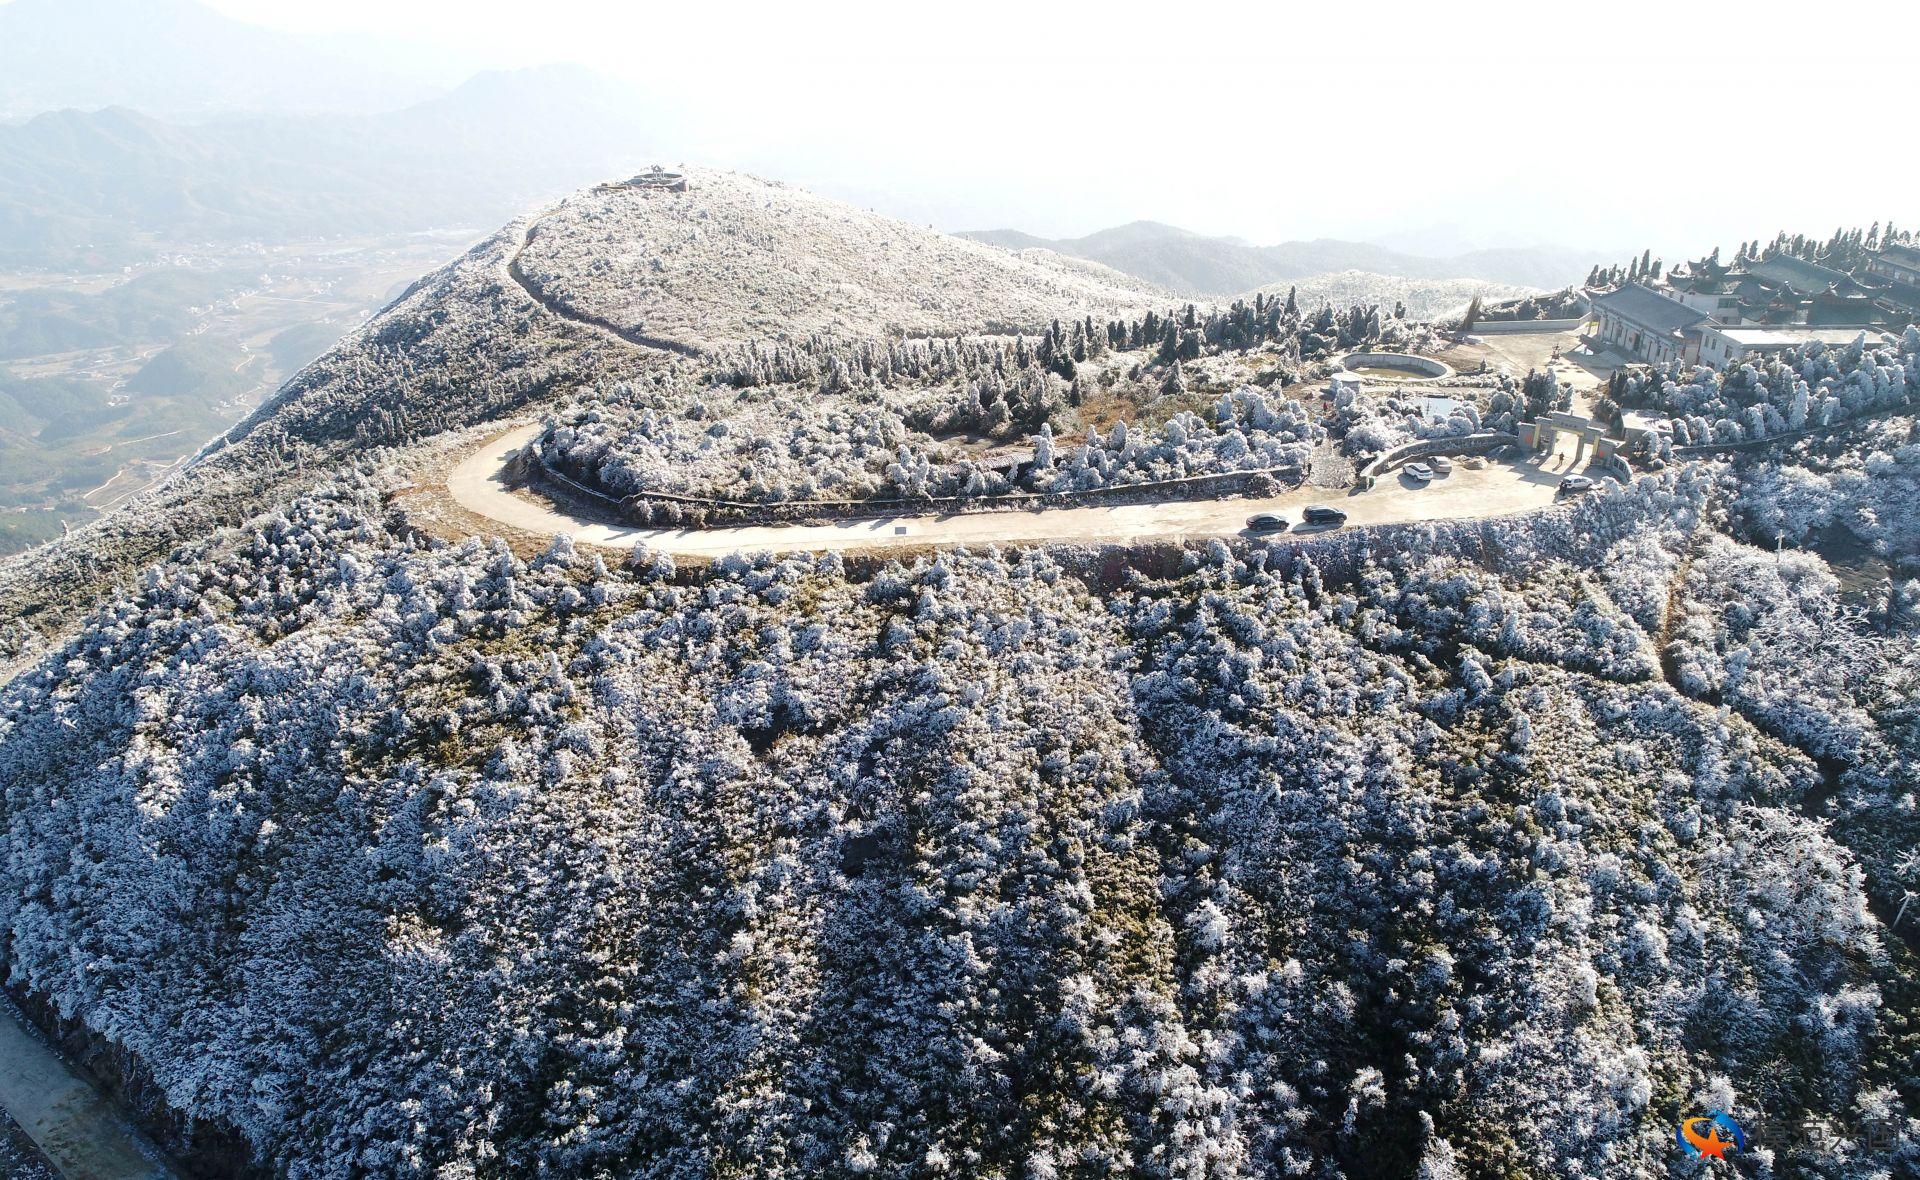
1501,488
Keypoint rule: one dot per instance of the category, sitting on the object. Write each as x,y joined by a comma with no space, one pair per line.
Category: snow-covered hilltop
736,258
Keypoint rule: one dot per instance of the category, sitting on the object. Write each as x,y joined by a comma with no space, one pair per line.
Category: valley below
109,382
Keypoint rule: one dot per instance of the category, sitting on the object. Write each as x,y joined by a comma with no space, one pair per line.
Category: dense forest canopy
1290,865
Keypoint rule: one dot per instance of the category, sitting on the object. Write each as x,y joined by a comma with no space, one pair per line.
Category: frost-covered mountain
744,259
736,259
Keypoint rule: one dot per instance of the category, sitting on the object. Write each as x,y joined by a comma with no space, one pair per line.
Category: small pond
1855,565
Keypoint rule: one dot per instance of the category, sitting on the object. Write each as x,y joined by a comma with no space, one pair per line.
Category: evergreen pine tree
1471,318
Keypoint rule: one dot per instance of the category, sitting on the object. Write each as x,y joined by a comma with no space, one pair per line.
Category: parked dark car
1321,514
1266,522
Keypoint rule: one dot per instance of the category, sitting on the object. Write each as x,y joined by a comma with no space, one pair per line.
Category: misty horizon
1291,132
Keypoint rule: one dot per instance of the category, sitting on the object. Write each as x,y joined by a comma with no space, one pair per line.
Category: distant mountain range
177,58
152,123
86,189
1195,264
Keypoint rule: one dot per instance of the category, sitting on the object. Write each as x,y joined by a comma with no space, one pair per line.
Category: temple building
1640,322
1717,313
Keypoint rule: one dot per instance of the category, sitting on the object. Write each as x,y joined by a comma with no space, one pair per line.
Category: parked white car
1420,471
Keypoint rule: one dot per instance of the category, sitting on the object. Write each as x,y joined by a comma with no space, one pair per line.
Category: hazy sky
1602,126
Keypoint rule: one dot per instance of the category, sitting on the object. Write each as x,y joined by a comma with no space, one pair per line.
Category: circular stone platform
1395,366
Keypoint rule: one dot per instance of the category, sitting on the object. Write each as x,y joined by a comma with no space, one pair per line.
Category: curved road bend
72,1125
1499,489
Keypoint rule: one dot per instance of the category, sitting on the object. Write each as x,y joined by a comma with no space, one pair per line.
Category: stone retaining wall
1516,327
1420,368
1617,466
1465,444
1510,327
646,508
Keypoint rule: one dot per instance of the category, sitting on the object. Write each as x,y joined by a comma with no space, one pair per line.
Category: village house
1721,346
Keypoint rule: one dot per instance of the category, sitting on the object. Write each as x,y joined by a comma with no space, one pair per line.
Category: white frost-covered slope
1426,299
739,258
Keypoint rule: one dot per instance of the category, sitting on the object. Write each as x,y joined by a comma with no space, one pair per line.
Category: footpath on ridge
535,293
